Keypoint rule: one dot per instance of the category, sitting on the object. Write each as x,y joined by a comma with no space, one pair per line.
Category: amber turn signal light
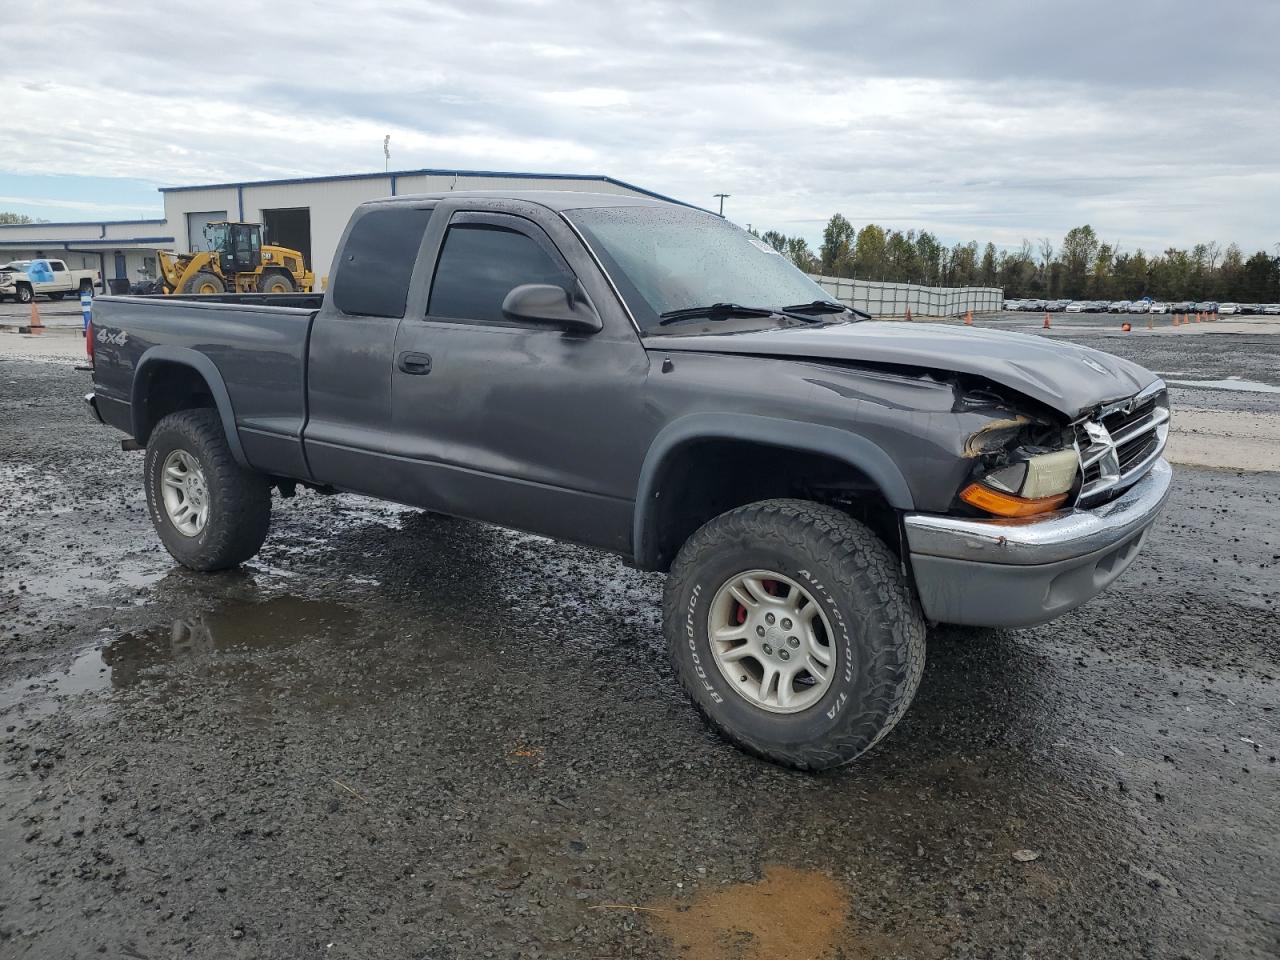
1006,504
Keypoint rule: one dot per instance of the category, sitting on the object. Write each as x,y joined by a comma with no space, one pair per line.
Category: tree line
1081,267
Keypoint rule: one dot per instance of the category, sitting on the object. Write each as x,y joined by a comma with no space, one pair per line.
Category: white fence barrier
882,299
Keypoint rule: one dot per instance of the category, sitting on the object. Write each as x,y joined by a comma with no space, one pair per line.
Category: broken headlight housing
1026,486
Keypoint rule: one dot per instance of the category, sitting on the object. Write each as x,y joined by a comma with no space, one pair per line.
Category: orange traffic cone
1046,320
36,325
1198,316
1151,324
908,313
968,318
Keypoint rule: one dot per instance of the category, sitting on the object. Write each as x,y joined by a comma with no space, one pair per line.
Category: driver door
521,424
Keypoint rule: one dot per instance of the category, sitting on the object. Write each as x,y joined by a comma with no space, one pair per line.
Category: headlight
1028,487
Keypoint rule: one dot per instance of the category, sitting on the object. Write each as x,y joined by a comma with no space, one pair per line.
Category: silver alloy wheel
185,493
771,641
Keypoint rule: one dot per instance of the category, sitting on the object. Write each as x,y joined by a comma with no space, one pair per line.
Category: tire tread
859,562
238,530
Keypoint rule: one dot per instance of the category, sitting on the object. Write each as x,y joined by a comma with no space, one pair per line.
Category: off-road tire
275,281
204,277
239,498
25,294
878,630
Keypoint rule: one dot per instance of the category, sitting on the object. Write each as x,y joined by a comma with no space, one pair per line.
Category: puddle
1230,383
233,627
76,582
789,915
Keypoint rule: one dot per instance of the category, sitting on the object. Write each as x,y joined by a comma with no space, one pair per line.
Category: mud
399,735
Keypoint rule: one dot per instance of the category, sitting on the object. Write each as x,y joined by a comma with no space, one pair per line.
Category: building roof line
25,243
424,172
78,223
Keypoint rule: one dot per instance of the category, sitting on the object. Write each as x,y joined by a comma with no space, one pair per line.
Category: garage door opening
289,227
196,223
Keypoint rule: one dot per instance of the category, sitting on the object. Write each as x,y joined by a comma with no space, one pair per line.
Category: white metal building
117,248
307,214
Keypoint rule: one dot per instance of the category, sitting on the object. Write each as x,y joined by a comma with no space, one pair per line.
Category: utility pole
722,197
386,152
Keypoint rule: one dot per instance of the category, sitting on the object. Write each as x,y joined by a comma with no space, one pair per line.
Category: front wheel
24,293
274,281
794,632
211,513
205,282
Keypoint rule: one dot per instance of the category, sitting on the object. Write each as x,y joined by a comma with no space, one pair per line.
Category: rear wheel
211,513
275,281
86,286
794,632
205,282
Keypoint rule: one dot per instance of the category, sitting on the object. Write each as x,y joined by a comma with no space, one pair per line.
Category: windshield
215,235
667,258
16,265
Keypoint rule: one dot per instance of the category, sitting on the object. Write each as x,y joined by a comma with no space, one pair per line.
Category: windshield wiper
714,311
825,306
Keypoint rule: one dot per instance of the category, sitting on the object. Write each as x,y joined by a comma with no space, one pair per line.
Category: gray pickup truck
650,380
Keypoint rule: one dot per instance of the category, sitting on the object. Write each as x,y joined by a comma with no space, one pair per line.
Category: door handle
414,363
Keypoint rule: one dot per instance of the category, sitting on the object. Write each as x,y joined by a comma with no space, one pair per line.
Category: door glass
480,264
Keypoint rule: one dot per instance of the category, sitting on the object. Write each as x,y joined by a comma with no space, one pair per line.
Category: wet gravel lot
400,735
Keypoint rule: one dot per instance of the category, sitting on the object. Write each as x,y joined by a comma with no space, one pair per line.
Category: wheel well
166,388
704,478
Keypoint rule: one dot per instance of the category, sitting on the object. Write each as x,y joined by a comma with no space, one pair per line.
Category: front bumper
1003,573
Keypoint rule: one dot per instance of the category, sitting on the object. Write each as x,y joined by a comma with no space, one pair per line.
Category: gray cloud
995,119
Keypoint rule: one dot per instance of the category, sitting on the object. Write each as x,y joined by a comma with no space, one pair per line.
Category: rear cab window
377,261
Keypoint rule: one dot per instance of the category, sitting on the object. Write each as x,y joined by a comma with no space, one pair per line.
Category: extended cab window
481,263
57,266
377,262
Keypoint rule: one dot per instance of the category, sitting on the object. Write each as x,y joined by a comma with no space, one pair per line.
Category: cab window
377,262
480,263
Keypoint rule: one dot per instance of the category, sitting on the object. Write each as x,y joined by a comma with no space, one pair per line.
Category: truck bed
253,346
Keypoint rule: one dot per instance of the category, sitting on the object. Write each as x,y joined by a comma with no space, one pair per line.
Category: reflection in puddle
789,915
233,627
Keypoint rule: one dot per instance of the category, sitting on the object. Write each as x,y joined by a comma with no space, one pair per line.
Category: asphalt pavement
395,734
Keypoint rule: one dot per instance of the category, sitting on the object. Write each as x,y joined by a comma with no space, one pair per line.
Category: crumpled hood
1071,379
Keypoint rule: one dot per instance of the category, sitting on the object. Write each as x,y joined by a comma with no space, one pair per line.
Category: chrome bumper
1016,573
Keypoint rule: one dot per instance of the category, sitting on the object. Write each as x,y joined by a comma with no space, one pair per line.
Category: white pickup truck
24,279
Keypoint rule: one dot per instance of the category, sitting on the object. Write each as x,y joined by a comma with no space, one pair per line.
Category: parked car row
1145,305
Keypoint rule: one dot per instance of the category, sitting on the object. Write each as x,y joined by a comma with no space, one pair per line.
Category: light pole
386,152
722,198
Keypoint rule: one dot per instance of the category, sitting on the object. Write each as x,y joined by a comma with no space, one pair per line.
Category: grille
1121,442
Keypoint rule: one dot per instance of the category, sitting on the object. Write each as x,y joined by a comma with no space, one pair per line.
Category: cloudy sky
1156,122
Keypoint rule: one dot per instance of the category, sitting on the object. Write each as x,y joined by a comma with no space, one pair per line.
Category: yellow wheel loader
236,261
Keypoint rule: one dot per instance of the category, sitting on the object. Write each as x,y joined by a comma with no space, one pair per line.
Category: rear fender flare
185,356
851,448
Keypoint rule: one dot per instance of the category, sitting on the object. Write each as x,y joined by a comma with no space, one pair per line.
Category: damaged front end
1024,464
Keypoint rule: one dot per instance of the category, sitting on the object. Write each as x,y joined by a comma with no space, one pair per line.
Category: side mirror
554,306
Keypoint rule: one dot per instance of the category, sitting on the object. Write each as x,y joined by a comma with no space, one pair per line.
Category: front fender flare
851,448
201,364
